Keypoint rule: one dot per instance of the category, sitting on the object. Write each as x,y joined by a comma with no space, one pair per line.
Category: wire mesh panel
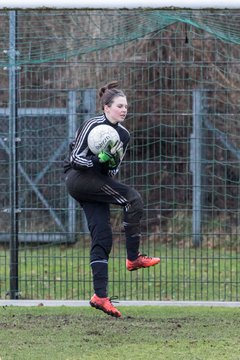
179,70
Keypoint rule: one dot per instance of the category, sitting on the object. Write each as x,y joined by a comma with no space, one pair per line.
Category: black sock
132,245
100,277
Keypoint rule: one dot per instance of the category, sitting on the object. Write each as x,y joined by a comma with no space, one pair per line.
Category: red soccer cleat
105,305
142,261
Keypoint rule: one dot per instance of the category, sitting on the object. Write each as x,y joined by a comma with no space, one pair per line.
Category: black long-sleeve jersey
81,157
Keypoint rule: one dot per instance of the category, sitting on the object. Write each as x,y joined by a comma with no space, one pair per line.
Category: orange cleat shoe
142,261
105,305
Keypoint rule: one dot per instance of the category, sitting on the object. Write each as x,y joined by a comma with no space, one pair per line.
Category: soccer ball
100,137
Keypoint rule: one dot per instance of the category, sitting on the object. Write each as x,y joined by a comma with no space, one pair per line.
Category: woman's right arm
81,157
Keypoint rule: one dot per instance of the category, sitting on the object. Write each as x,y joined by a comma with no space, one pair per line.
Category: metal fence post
196,167
13,169
89,110
72,125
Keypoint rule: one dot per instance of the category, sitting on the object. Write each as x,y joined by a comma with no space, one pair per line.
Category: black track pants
95,192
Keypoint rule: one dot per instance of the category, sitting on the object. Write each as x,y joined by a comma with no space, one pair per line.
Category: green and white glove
113,155
105,156
113,163
117,149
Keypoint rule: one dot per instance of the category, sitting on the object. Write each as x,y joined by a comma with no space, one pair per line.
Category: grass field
149,332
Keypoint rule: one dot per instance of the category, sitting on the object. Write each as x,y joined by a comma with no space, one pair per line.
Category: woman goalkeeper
90,181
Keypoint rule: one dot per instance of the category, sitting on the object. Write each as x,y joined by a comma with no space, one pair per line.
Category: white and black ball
101,136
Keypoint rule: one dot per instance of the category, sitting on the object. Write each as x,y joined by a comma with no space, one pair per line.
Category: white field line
79,303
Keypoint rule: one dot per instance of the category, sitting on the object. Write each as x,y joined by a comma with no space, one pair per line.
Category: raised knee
135,207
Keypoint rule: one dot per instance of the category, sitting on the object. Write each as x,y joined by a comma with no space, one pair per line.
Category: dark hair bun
109,86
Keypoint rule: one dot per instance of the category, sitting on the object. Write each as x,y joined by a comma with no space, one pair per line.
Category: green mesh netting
49,35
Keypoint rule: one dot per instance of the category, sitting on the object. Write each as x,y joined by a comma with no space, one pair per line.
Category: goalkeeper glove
112,155
113,163
105,156
110,159
117,149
